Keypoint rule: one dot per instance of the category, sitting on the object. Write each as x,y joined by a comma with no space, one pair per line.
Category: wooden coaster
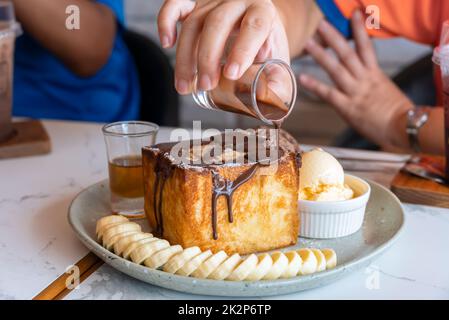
411,189
30,138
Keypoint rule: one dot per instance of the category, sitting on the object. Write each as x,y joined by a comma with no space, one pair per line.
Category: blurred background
312,121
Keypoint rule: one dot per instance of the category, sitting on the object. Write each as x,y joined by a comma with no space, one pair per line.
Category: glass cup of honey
124,143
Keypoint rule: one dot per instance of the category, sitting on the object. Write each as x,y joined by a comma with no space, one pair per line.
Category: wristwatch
416,119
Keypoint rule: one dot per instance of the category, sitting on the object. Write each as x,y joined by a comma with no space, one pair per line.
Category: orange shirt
417,20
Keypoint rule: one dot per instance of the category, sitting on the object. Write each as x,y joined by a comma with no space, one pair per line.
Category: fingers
254,31
275,86
265,51
342,78
170,13
363,43
341,46
325,92
218,25
186,51
185,56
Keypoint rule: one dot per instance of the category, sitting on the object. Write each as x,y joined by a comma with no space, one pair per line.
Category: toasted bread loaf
264,208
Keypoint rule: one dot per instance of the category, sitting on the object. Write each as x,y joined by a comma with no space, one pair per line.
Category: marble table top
37,244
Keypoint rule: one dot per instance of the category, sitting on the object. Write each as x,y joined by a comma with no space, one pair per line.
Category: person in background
369,101
86,74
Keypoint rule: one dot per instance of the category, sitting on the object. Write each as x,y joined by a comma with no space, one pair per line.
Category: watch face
417,117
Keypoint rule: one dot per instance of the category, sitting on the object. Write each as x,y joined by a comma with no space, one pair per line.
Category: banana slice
294,265
309,261
146,250
331,258
123,243
244,268
225,269
263,267
280,264
193,264
134,245
103,222
208,266
179,260
161,257
321,260
103,229
119,228
113,240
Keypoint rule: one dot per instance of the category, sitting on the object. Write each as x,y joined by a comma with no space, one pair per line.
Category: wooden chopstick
58,289
83,277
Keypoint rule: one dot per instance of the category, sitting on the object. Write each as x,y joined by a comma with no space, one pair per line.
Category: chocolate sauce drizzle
161,177
226,187
163,170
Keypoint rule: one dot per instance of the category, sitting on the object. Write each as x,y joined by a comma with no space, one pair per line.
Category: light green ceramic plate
383,221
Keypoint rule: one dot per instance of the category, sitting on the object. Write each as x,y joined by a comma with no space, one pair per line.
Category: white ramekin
334,219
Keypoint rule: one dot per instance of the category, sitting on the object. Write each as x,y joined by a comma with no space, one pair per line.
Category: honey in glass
126,177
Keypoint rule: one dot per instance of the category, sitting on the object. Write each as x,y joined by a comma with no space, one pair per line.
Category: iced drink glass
9,29
441,58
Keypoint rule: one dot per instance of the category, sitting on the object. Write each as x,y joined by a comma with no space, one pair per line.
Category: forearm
431,136
301,19
85,50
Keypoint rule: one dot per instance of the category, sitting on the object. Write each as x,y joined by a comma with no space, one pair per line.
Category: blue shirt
335,17
45,88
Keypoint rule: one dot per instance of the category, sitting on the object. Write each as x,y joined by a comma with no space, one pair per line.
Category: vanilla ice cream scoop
322,178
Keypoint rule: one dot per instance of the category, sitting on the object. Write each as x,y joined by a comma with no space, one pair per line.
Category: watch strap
413,139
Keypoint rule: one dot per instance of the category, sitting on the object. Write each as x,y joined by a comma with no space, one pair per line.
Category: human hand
206,27
364,96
